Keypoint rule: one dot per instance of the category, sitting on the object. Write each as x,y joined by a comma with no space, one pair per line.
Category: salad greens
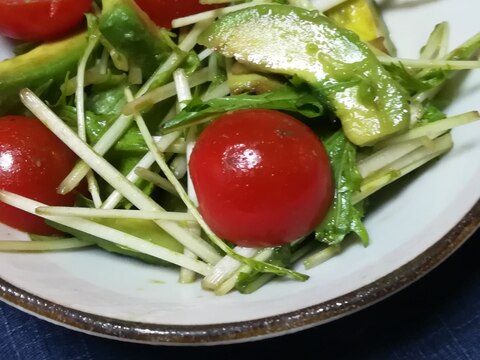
134,105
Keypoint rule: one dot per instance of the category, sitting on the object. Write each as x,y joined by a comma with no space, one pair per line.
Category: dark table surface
438,317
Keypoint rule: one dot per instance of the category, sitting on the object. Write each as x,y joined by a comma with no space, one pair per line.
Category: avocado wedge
363,18
129,30
295,42
44,66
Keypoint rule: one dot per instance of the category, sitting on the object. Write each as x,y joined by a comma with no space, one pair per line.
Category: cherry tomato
162,12
262,178
40,20
33,162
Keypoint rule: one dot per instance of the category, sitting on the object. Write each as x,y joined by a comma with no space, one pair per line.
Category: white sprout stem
182,88
156,179
324,5
80,105
187,276
403,166
228,284
163,92
218,91
226,267
431,63
179,166
446,57
135,75
204,54
387,155
44,245
103,63
433,128
428,94
437,44
184,95
104,169
66,211
191,137
171,63
305,4
321,256
148,160
79,93
109,138
212,14
110,234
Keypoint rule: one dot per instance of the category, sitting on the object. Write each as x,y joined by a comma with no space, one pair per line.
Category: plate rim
255,329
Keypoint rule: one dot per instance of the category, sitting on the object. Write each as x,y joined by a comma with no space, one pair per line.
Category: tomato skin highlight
40,20
162,12
262,178
33,162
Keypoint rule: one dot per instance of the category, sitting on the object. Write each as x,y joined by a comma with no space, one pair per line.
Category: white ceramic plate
412,231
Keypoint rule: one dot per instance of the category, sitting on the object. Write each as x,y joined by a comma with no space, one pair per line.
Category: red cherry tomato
33,162
162,12
262,178
39,20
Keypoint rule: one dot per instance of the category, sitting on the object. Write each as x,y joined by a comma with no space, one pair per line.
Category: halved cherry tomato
38,20
162,12
262,178
33,162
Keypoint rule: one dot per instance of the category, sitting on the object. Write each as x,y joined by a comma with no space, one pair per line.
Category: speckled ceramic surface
413,228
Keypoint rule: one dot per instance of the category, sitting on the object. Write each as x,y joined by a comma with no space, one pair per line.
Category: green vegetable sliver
42,246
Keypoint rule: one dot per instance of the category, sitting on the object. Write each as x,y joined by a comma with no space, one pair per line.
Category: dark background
438,317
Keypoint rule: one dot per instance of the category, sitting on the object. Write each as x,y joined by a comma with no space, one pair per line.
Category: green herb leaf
344,217
286,99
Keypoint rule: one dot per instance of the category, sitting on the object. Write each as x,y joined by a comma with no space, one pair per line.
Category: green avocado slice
288,40
46,65
129,30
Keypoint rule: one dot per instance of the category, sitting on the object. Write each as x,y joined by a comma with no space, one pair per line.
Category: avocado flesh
129,30
242,79
296,42
363,18
46,65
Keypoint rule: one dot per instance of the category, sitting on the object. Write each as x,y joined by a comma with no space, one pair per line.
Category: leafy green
106,100
286,99
430,114
248,282
344,217
408,80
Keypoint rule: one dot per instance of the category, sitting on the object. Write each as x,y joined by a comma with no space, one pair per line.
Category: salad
235,142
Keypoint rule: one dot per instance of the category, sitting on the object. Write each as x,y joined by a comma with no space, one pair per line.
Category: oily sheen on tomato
39,20
33,162
262,178
162,12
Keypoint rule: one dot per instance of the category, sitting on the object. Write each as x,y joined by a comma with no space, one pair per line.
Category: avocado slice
131,32
363,17
292,41
242,79
45,66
